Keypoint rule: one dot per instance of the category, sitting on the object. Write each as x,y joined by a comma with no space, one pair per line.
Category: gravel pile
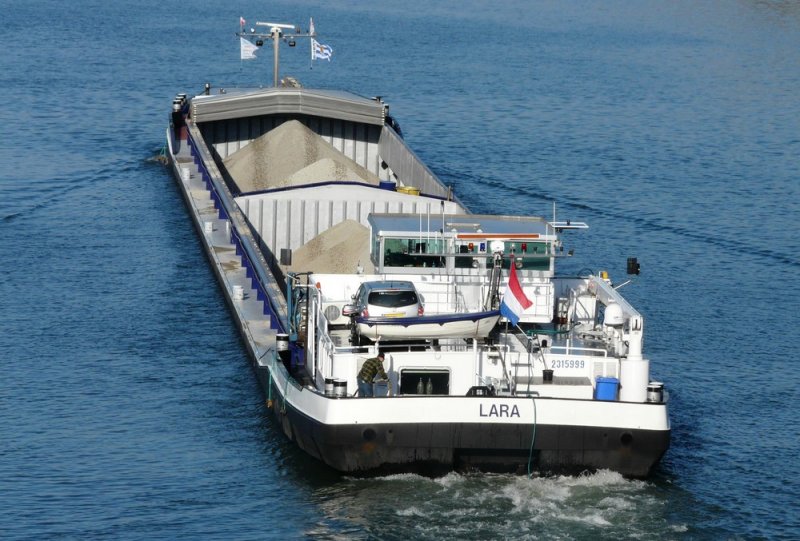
291,155
336,251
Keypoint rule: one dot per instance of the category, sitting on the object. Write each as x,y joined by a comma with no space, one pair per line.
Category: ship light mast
277,32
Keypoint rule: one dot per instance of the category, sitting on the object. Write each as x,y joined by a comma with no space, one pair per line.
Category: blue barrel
606,389
387,185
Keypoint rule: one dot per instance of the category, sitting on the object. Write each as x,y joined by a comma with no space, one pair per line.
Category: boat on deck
302,195
458,325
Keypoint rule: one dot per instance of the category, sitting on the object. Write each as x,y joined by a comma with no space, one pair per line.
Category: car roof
403,285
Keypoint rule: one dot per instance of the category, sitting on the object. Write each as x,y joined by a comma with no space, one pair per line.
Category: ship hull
434,448
447,430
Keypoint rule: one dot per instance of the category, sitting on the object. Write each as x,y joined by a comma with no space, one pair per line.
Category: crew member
369,370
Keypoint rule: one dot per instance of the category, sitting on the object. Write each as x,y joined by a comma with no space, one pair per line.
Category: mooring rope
269,390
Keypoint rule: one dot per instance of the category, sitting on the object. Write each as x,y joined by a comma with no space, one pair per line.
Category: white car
387,298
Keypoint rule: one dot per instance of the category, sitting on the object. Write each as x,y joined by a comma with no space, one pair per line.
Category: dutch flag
514,300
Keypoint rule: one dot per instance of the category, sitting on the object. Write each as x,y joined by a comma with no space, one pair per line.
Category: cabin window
412,380
527,251
412,252
376,250
462,261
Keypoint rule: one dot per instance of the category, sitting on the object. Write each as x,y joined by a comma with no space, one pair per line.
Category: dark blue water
127,406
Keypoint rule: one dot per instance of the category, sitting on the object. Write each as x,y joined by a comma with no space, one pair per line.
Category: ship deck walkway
215,233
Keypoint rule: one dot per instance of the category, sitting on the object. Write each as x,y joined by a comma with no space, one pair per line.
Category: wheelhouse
461,244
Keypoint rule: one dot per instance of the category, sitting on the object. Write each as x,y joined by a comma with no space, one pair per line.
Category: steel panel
273,101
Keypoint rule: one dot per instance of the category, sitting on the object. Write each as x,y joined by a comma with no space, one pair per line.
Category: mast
277,32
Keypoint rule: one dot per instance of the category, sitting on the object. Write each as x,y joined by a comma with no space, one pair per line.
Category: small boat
301,196
465,325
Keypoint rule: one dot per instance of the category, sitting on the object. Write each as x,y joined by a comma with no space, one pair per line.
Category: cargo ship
336,247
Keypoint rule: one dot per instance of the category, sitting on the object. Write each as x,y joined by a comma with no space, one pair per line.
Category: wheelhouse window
534,255
412,252
463,261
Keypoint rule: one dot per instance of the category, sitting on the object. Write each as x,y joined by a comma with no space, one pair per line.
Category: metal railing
241,237
577,350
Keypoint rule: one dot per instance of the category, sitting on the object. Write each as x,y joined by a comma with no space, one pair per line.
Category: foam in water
559,504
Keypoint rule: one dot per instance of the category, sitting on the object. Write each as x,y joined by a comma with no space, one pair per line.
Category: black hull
435,449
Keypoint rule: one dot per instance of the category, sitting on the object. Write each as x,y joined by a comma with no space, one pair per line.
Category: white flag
248,49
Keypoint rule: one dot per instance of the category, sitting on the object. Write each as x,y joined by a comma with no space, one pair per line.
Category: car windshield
392,299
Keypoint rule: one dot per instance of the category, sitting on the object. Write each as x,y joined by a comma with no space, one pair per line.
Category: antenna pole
276,44
276,34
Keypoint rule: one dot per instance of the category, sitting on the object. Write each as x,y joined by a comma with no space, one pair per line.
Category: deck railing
576,350
267,289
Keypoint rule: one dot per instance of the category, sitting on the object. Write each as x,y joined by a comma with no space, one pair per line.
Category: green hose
285,393
533,439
